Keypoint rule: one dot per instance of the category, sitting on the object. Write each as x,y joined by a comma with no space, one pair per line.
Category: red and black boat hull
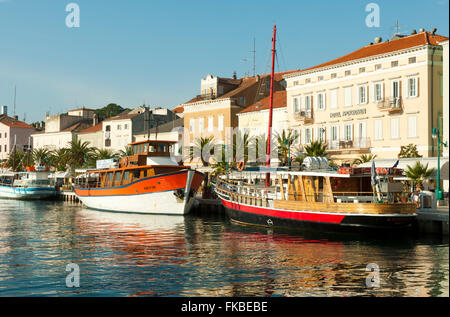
276,218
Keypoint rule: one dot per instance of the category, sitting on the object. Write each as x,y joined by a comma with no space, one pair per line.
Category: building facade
14,134
371,101
446,113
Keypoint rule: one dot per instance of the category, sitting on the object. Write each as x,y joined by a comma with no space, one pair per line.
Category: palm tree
316,149
203,147
418,173
259,145
60,158
284,143
364,159
41,156
15,161
242,145
80,153
127,152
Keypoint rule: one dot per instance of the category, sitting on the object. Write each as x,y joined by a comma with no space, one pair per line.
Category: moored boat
146,182
31,184
325,199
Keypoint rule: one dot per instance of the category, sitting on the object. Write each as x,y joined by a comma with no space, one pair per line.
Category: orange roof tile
179,109
92,129
279,101
423,38
13,123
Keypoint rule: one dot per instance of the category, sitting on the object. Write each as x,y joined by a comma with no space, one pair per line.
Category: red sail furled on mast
269,136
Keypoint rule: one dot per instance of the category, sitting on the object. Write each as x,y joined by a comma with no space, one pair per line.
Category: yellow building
373,100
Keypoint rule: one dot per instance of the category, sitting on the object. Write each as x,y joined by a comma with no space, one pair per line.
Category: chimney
433,31
234,75
421,30
257,78
94,120
413,32
378,40
16,117
4,110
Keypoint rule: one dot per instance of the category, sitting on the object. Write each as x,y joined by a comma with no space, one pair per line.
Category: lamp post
436,135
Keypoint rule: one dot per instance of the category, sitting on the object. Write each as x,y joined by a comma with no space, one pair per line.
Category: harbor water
120,254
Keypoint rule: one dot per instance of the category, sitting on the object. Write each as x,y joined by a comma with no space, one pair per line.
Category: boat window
145,147
145,173
136,174
110,177
118,176
126,175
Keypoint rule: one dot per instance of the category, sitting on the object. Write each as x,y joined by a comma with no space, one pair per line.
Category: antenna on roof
254,56
396,28
14,108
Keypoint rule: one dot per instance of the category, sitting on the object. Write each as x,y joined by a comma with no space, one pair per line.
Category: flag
373,174
396,164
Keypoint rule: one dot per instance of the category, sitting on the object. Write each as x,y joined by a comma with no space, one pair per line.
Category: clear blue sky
128,52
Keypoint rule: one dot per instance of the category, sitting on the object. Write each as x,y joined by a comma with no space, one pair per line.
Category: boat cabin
146,149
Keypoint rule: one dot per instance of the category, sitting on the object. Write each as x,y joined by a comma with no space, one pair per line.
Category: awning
404,162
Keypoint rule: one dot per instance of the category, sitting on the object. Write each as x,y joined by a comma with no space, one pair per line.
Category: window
412,86
333,99
108,128
220,89
411,60
308,102
395,89
377,66
378,92
125,127
348,96
201,124
334,75
191,125
6,149
308,136
210,124
362,70
412,127
242,101
334,133
321,134
108,143
320,78
348,132
119,127
321,101
347,73
394,63
395,128
295,83
378,129
296,105
362,95
221,123
308,80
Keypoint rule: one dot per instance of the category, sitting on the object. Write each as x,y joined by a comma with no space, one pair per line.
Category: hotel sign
347,113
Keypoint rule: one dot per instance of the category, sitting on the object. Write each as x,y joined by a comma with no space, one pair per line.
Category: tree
418,173
41,156
59,158
242,143
409,151
108,111
80,153
127,152
203,147
364,159
316,149
15,161
285,140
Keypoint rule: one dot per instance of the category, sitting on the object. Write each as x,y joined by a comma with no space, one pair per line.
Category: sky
156,52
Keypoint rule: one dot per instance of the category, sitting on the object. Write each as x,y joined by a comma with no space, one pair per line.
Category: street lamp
435,135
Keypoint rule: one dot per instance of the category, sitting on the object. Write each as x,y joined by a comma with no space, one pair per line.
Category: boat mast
271,106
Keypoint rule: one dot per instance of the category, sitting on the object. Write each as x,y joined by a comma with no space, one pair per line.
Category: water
146,255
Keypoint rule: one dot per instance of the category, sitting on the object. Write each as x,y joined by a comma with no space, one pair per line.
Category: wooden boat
32,184
146,182
324,199
320,196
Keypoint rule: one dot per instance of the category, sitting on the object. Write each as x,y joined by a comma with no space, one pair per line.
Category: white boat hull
149,203
26,193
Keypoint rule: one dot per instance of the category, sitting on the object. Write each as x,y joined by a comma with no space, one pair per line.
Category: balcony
358,145
391,105
209,96
305,116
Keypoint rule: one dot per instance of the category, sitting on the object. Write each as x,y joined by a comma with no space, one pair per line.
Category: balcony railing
356,144
393,104
304,115
209,96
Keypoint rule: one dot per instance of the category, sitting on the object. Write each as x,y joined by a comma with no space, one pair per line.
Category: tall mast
269,136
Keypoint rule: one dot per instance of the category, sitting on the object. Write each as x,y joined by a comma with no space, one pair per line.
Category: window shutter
372,93
324,99
404,84
358,95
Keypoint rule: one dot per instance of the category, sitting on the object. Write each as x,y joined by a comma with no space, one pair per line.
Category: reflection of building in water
142,239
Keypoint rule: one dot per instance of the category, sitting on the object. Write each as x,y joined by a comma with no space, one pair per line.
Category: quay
68,196
433,220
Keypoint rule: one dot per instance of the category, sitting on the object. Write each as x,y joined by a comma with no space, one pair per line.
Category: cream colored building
93,135
373,100
446,113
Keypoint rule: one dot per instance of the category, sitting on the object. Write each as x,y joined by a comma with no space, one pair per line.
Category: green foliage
127,152
316,149
59,159
418,173
409,151
285,141
42,156
364,159
203,148
80,153
108,111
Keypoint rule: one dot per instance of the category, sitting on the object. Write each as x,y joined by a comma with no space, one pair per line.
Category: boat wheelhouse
148,181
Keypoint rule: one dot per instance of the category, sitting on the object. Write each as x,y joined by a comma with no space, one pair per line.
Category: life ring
335,183
241,166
